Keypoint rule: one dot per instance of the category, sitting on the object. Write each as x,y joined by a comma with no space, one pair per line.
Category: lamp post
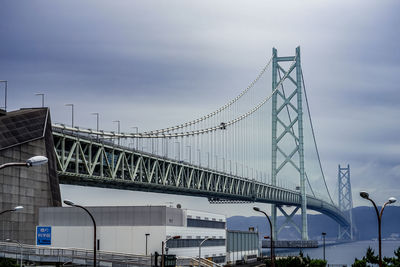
119,129
5,93
323,238
163,243
147,235
201,243
20,249
97,122
270,228
42,95
70,203
72,112
33,161
137,140
391,200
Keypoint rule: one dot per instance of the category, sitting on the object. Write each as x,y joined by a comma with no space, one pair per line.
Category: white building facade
137,229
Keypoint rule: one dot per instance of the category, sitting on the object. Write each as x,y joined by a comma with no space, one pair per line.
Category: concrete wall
132,239
28,187
112,216
122,239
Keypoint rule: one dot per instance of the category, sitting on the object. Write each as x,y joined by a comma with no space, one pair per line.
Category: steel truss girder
105,165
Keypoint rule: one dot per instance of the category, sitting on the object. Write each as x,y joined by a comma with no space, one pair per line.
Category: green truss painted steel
281,128
83,160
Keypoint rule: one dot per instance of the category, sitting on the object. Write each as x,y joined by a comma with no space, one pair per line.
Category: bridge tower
287,123
345,201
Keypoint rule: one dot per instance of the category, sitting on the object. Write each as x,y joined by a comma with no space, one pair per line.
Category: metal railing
63,255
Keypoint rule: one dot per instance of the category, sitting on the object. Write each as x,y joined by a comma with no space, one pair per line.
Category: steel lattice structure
345,202
84,160
292,101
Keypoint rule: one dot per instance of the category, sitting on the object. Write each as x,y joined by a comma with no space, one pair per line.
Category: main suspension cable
313,134
227,105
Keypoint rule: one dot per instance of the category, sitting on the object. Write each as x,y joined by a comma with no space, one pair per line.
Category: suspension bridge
258,147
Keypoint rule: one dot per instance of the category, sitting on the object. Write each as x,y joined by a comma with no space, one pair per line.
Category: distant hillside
364,218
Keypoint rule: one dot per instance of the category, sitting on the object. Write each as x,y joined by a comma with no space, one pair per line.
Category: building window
186,243
205,224
219,259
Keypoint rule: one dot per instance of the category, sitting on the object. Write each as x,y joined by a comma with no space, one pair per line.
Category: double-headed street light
270,228
163,243
391,200
201,243
33,161
70,203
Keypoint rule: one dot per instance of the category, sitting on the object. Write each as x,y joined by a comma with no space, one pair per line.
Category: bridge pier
25,133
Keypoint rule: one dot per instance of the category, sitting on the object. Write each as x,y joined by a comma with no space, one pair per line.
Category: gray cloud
152,64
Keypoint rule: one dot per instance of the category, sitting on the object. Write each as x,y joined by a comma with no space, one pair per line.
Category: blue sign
43,235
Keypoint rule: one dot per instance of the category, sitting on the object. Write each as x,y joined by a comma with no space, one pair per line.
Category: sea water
344,253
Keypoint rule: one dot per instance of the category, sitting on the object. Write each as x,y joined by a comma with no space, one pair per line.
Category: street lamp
97,120
163,243
201,243
70,203
119,129
137,139
5,93
147,235
42,95
17,208
20,249
323,238
72,112
391,200
33,161
271,239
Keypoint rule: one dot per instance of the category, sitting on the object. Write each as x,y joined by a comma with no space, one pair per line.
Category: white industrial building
123,229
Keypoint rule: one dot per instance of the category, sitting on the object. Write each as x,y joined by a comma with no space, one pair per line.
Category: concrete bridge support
23,134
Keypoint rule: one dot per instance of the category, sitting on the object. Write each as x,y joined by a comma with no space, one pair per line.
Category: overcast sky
152,64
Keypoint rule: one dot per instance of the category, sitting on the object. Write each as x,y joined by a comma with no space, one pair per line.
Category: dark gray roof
22,126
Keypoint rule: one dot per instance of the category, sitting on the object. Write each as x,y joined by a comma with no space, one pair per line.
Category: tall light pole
270,228
163,243
5,93
147,235
20,249
70,203
72,112
137,139
33,161
201,243
42,95
119,129
323,238
97,122
391,200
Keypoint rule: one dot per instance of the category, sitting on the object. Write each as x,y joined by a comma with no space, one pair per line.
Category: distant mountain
364,218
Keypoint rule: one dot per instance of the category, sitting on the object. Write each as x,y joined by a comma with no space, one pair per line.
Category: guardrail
75,256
